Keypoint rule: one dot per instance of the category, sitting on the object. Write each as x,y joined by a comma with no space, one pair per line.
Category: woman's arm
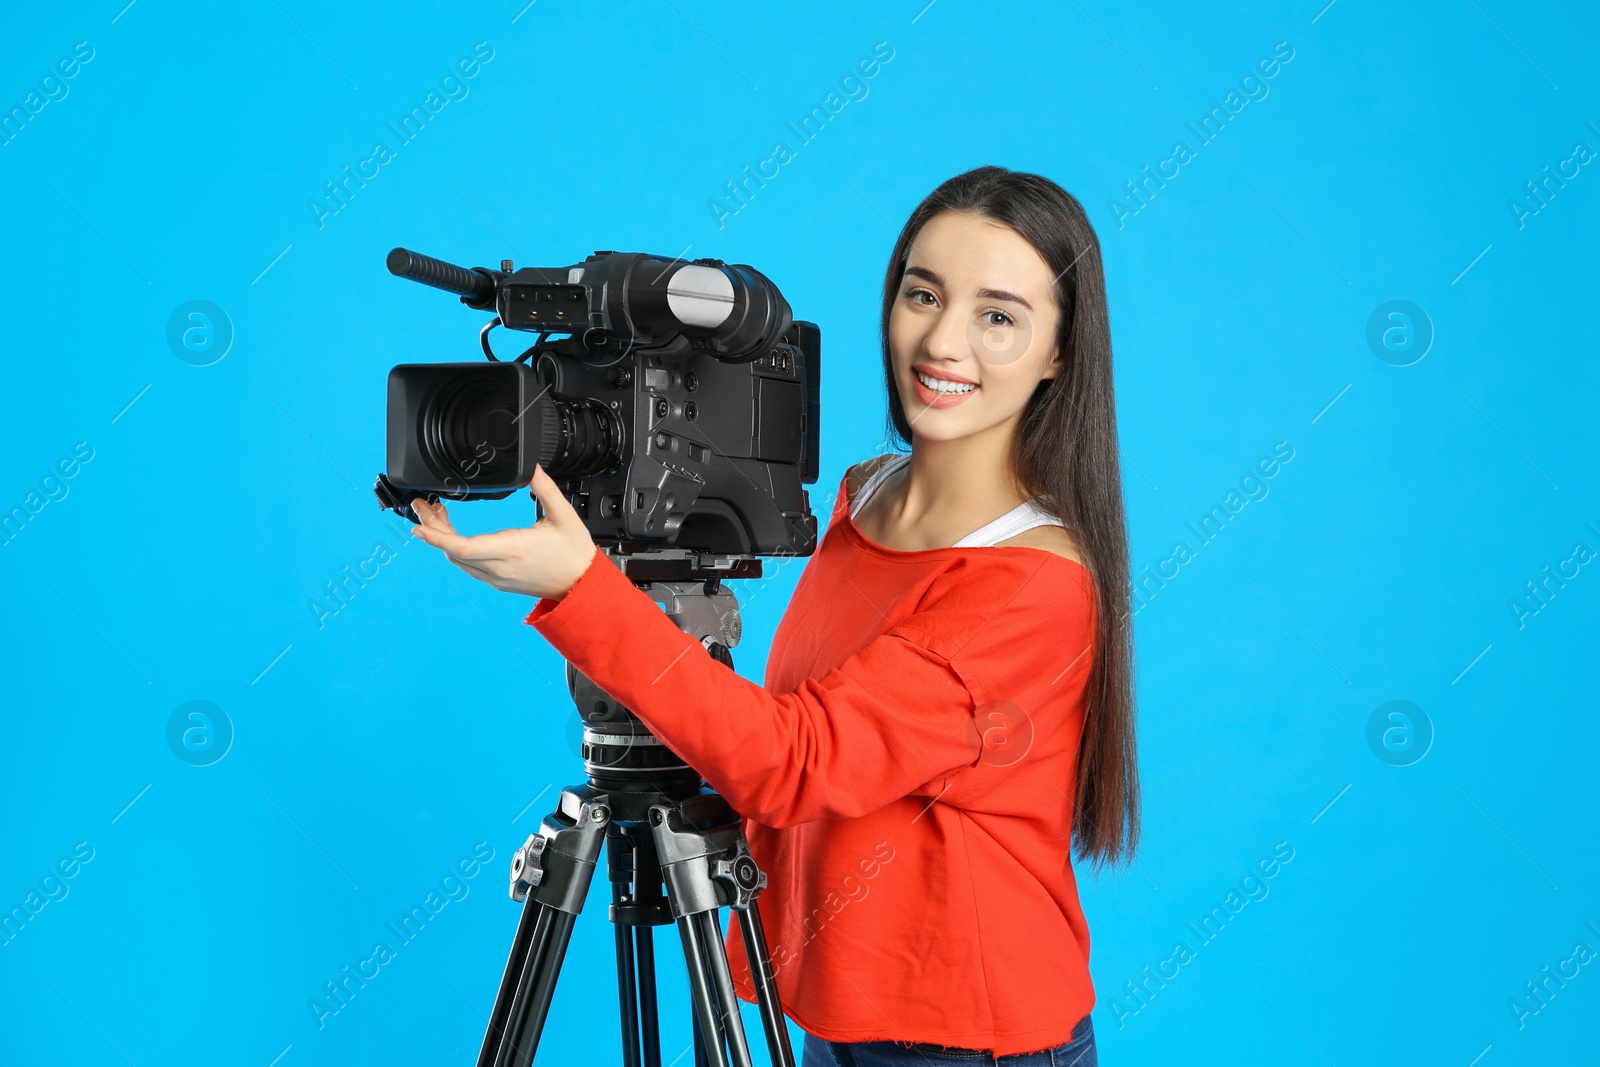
900,717
892,720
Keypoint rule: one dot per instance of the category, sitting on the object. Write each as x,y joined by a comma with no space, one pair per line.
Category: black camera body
678,410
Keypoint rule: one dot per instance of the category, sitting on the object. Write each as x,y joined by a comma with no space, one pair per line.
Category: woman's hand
544,560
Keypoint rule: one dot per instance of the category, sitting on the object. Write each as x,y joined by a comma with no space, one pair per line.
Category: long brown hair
1065,454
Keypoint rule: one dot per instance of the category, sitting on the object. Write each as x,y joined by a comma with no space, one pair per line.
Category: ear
1056,365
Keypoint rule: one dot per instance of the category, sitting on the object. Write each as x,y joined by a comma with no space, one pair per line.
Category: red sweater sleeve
894,719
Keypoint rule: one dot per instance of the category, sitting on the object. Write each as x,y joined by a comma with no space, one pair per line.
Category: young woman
948,713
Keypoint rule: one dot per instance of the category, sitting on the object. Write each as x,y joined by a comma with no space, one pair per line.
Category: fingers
557,508
433,515
502,544
436,529
454,544
476,572
436,524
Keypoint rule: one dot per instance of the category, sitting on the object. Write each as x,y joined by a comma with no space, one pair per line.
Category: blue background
373,751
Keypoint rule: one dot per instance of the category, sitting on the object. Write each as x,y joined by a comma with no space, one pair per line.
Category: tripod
662,829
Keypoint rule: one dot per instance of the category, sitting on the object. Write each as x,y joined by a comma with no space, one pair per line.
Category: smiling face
975,305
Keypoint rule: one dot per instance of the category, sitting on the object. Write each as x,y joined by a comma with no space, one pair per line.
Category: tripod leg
761,973
529,931
530,945
700,1058
535,990
727,1000
647,995
708,1019
706,865
627,985
550,873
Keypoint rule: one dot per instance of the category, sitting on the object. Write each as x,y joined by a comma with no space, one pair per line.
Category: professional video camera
678,411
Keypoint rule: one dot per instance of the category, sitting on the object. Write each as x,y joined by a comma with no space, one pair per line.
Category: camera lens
470,430
481,430
589,440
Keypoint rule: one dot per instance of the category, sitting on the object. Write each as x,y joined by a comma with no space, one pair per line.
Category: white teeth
939,385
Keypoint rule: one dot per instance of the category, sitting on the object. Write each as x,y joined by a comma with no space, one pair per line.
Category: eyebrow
992,294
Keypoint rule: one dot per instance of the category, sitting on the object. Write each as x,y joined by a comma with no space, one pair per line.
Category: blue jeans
1079,1052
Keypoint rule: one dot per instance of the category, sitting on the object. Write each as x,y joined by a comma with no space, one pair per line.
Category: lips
941,375
939,400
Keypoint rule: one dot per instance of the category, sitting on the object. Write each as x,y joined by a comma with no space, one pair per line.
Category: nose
946,338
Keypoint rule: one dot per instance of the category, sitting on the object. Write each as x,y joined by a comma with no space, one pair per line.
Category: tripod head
619,753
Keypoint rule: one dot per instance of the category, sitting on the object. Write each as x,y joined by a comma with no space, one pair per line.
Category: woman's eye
912,295
1005,320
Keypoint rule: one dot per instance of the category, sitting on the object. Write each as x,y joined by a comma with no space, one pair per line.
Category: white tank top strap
878,477
1023,517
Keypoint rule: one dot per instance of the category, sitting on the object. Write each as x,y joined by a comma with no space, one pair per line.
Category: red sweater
904,774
